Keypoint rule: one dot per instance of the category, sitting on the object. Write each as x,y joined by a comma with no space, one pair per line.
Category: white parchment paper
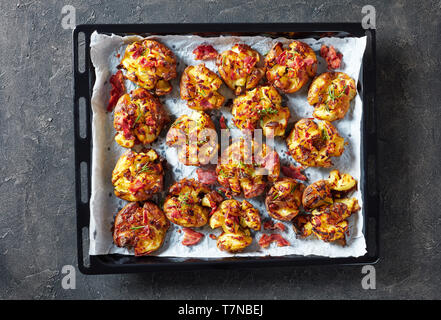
103,203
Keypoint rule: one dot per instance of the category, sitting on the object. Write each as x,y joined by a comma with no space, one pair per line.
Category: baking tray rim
83,86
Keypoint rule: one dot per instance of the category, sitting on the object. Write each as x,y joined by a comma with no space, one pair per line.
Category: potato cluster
245,168
329,206
235,218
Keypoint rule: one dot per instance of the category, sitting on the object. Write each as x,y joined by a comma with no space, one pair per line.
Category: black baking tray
84,79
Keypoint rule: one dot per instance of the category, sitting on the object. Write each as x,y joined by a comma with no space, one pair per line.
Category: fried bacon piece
332,57
207,176
293,172
267,239
191,237
223,123
270,225
118,89
205,52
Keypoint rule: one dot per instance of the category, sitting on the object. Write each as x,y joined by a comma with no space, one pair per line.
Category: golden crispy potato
331,94
341,182
138,176
199,87
234,242
328,223
290,69
328,217
196,138
317,194
261,107
246,167
239,68
284,199
235,218
142,228
188,203
325,192
139,119
313,144
151,65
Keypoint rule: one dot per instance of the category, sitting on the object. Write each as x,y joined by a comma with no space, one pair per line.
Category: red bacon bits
223,123
270,225
212,236
227,192
191,237
293,172
332,57
208,177
118,89
267,239
205,52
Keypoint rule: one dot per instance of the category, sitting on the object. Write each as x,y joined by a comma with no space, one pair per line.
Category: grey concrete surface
37,211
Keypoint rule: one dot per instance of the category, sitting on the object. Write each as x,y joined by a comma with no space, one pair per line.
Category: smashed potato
341,184
244,165
188,203
151,65
143,228
317,194
138,176
325,192
138,119
239,68
199,86
331,94
196,139
328,217
235,218
328,223
290,69
284,199
261,107
313,144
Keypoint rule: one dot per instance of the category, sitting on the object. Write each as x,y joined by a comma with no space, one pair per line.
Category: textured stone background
37,218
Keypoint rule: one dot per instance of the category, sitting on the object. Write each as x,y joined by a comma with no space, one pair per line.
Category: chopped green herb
138,227
267,111
145,168
294,188
139,115
325,136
